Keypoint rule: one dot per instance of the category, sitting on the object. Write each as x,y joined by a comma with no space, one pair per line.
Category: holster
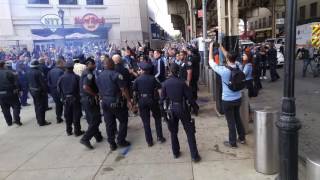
119,103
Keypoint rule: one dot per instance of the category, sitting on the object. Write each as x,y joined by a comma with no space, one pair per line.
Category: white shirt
201,44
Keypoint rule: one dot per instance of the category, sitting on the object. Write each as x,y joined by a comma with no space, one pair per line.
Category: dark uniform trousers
72,114
232,113
6,103
179,113
93,117
57,100
40,105
273,70
110,116
145,106
194,89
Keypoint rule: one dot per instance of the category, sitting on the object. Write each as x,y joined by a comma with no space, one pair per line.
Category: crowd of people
115,81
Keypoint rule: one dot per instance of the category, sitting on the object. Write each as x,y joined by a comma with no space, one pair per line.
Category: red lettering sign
90,21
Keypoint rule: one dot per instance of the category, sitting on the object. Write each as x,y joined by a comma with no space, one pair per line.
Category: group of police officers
122,85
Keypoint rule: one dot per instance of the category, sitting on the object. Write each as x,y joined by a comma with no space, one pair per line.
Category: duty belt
69,96
3,92
146,95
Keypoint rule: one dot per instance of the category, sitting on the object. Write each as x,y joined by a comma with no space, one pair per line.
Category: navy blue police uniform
91,107
194,62
39,92
69,91
9,98
176,92
145,88
53,77
114,106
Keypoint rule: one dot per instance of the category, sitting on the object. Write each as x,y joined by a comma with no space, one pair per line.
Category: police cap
145,66
34,63
90,60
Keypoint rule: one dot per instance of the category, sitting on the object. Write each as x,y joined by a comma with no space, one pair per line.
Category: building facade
30,22
308,11
261,23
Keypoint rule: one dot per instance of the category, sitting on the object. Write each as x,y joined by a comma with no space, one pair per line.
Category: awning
101,32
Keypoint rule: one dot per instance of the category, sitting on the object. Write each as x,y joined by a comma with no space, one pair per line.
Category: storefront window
302,12
94,2
38,1
68,2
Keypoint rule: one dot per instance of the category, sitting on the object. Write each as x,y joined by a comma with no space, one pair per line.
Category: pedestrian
273,61
257,70
115,103
45,70
38,90
53,77
69,90
159,67
231,100
91,103
146,89
307,55
23,82
263,62
247,70
176,92
9,90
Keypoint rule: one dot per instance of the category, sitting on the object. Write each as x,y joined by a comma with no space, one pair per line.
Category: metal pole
288,124
64,35
204,19
274,27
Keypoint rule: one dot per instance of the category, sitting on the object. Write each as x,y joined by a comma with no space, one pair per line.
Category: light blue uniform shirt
225,73
247,70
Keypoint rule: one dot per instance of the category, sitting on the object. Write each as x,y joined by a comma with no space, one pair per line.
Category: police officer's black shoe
113,146
150,144
59,120
18,123
99,138
48,108
124,144
69,133
46,123
177,155
86,144
161,139
9,124
196,159
227,144
80,133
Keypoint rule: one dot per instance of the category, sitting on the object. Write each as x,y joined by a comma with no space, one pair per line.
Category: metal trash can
313,167
266,156
244,110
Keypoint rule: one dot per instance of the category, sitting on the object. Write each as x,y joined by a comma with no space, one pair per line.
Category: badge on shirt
89,76
189,63
120,77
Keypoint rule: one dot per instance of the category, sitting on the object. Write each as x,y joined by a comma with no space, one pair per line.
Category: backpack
237,80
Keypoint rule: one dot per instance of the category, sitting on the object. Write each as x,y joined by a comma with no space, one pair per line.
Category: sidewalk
33,153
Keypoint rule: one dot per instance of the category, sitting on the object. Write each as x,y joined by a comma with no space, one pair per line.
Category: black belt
69,96
146,95
3,92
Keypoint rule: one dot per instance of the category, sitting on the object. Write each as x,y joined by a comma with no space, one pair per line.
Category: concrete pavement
47,153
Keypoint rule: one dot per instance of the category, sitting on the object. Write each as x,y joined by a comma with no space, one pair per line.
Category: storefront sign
90,22
51,21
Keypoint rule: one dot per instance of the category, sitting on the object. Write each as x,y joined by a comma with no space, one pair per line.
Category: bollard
266,157
313,167
244,110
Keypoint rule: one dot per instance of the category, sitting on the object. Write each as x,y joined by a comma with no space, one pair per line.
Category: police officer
186,73
272,59
176,91
146,89
115,99
159,70
53,77
69,90
9,90
91,103
38,90
194,59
